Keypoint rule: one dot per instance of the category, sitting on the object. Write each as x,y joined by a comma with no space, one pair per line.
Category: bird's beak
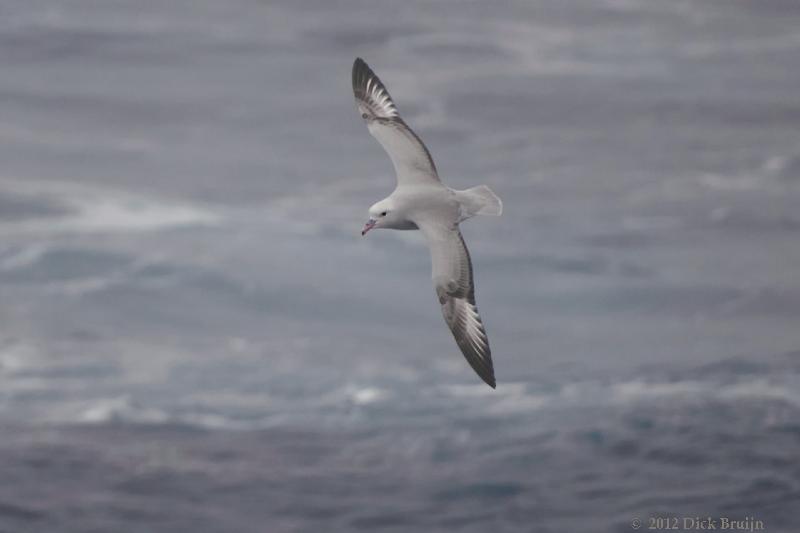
368,226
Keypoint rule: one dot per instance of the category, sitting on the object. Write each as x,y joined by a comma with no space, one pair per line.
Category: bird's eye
364,116
383,214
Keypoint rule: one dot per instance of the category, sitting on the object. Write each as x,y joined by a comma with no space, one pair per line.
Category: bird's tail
479,200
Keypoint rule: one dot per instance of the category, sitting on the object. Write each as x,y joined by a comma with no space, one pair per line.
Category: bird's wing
413,163
452,278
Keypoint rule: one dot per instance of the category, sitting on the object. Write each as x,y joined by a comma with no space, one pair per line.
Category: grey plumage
461,314
422,201
384,122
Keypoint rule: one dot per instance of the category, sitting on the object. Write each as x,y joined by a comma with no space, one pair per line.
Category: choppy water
193,336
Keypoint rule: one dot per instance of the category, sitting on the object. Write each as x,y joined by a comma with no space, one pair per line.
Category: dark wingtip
484,369
480,363
361,72
377,99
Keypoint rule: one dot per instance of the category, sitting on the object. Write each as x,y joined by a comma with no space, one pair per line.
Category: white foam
126,214
96,210
117,409
515,398
367,395
760,389
638,389
525,403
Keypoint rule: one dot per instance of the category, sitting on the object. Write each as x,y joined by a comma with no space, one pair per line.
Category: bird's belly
423,203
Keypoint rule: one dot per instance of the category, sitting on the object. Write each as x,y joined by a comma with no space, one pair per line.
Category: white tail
479,200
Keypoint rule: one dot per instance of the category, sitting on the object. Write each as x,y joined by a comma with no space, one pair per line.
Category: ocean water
195,338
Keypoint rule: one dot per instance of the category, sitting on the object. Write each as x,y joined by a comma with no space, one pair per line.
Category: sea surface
195,338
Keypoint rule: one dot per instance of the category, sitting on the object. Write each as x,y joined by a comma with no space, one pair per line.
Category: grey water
195,338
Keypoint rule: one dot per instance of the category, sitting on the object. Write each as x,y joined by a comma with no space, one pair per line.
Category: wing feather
411,159
453,280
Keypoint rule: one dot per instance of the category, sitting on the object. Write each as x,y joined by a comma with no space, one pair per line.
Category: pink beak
368,226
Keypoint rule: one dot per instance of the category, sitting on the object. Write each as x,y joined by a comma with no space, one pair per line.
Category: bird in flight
421,201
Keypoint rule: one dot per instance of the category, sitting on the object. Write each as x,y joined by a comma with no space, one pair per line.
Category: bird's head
381,215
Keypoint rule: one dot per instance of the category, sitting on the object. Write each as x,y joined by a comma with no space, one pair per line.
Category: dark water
194,338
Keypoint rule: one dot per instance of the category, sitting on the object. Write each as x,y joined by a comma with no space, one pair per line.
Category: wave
367,404
86,209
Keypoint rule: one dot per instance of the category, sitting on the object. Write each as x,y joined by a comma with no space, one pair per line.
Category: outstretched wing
452,278
411,159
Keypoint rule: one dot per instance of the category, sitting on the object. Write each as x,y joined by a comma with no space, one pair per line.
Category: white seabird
421,201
